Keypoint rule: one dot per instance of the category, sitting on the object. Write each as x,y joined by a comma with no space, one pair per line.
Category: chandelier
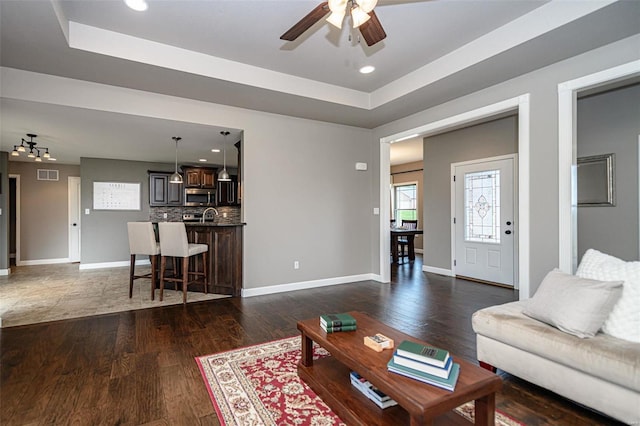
34,150
359,10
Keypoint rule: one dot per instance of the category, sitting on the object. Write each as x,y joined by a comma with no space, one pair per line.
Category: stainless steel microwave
199,197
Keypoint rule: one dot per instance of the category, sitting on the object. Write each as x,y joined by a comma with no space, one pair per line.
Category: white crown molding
104,42
541,20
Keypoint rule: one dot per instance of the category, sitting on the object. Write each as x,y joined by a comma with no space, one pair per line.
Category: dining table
403,232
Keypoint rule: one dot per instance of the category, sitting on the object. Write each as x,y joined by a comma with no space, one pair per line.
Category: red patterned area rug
259,385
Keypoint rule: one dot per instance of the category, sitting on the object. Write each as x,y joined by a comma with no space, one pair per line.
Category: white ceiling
229,52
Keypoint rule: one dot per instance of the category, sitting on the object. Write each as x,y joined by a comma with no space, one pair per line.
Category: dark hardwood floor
138,367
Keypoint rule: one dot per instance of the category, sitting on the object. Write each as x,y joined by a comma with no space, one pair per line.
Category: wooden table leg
485,410
394,248
419,421
412,250
307,351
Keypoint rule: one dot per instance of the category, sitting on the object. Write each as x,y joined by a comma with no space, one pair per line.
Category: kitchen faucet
204,213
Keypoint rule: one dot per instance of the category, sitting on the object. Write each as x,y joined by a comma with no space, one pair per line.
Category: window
482,206
405,201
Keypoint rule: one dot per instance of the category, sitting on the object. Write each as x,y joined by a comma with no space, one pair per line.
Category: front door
484,217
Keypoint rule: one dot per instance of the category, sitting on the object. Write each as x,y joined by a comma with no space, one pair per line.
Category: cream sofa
602,372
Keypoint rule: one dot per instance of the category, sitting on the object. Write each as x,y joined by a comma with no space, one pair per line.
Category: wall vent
44,174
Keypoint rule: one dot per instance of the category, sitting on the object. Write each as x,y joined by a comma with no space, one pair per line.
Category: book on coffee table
338,328
423,366
337,320
378,397
448,383
423,353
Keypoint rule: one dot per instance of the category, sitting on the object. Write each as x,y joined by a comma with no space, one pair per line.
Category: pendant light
223,175
176,177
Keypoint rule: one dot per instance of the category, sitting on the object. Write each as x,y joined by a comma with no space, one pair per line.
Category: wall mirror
596,185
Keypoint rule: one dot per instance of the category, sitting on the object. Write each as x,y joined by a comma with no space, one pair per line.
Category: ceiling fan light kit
362,16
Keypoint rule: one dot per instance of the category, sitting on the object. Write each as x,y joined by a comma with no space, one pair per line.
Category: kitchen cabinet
227,192
224,257
163,193
199,177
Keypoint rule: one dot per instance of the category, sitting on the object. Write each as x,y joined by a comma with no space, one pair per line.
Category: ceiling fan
362,16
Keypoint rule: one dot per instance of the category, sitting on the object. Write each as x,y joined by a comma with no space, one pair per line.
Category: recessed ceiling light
203,160
138,5
215,150
367,69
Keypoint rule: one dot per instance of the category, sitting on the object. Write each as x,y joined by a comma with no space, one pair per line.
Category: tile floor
33,294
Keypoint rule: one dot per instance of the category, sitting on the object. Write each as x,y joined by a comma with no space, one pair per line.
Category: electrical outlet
164,215
86,211
296,264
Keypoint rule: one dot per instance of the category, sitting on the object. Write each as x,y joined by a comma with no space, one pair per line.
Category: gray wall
610,123
412,172
304,200
498,137
542,85
44,211
104,232
4,205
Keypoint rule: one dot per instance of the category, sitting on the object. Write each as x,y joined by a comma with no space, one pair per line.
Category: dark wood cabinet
225,256
199,177
227,192
162,192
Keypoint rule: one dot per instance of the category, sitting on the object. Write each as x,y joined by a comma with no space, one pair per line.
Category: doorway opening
14,220
519,105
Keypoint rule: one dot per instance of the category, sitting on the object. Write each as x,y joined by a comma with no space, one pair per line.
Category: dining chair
403,242
142,241
174,243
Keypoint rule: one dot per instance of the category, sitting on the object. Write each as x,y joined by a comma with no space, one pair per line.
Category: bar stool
174,243
142,241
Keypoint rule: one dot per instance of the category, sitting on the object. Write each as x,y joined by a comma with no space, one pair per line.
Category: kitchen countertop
213,224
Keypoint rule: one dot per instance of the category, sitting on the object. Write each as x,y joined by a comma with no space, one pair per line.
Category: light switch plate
86,211
376,211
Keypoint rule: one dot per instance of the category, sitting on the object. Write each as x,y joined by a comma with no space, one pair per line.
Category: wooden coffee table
418,403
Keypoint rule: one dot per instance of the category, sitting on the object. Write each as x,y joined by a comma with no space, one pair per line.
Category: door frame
74,182
520,104
567,156
17,201
516,242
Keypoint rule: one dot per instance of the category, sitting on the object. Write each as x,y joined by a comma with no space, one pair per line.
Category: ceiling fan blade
372,30
305,23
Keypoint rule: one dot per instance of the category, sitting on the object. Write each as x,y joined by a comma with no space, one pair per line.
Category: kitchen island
224,256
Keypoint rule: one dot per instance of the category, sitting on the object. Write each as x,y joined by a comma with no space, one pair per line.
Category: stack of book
332,323
427,364
380,398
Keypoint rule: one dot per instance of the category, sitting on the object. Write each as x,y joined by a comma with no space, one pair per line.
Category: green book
337,320
338,329
448,384
423,353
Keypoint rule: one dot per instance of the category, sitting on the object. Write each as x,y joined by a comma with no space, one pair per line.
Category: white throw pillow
575,305
624,320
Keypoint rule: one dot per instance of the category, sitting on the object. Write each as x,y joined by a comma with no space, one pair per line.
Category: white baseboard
105,265
42,261
439,271
260,291
5,272
421,251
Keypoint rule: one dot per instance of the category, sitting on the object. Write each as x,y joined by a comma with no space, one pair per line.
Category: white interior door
74,219
484,216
